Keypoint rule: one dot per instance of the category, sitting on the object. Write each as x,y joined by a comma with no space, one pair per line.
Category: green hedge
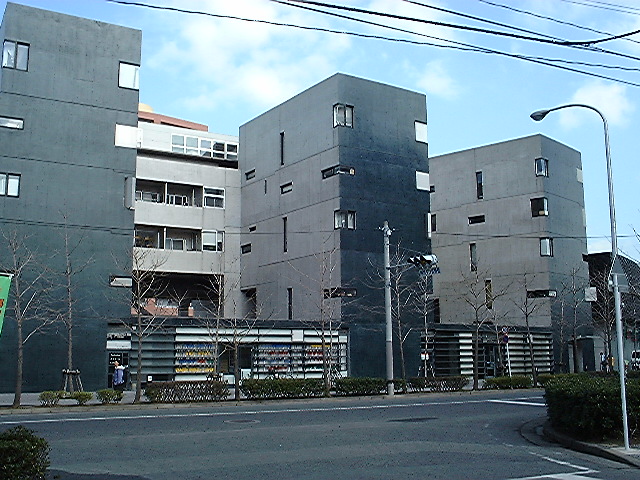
186,391
589,407
109,395
51,398
81,397
438,384
259,389
360,386
502,383
23,455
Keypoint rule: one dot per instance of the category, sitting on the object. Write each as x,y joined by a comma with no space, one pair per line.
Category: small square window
15,55
421,132
546,247
342,115
9,184
214,197
213,241
539,207
250,174
129,76
246,248
344,219
542,167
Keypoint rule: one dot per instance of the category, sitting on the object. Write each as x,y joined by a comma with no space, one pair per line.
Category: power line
460,27
605,6
453,44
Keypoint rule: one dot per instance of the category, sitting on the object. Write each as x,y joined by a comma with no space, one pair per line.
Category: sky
223,72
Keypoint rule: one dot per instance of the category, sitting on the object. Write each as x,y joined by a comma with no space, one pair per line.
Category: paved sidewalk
30,400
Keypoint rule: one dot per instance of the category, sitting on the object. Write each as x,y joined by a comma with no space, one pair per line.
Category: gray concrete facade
71,181
307,228
531,190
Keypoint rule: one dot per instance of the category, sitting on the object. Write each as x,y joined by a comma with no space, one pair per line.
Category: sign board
5,283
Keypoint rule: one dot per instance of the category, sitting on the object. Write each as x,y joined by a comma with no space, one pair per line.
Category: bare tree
571,301
30,304
603,310
72,268
148,282
479,293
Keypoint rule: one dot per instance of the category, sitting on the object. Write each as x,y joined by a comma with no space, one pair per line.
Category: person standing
118,376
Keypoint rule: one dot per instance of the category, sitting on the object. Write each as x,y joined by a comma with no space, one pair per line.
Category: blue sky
224,72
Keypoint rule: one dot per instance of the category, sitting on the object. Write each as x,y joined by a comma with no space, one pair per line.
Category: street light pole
538,116
387,308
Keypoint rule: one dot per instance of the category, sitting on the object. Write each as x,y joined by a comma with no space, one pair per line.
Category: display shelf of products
294,359
195,358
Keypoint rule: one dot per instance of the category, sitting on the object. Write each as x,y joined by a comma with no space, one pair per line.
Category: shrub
588,406
514,381
438,384
51,398
81,397
23,455
186,391
109,395
258,389
360,386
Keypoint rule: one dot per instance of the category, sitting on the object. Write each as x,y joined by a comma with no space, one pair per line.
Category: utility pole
387,308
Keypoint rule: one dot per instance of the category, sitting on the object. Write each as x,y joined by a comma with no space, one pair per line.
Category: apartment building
67,84
507,223
320,175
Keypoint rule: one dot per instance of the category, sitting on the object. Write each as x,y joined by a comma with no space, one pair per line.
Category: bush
23,456
502,383
109,395
81,397
186,391
360,386
259,389
588,406
50,398
438,384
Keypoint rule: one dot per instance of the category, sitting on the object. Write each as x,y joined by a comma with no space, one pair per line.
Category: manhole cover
242,420
413,420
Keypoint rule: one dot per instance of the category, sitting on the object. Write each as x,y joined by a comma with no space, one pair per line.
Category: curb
616,454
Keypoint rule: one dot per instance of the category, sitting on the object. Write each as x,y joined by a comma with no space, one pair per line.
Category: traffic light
423,261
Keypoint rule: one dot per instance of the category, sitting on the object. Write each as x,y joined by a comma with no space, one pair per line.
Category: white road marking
250,412
519,402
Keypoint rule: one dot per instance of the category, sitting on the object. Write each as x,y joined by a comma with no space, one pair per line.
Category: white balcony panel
176,261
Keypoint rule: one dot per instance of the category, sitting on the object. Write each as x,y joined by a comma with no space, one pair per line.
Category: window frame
16,59
6,122
215,196
343,115
541,167
546,247
218,245
124,76
344,220
6,184
540,212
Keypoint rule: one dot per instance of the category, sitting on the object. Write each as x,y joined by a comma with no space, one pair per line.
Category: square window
9,184
214,197
213,241
342,115
542,167
15,55
246,248
250,174
129,76
344,219
539,207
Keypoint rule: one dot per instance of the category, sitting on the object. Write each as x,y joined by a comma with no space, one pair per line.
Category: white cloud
610,99
435,80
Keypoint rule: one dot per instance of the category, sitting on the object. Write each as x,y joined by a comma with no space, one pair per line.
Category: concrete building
320,174
508,226
67,86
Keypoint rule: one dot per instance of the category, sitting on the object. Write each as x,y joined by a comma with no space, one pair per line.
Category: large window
13,123
214,197
344,219
129,76
213,241
542,167
9,184
546,247
342,115
15,55
539,207
203,147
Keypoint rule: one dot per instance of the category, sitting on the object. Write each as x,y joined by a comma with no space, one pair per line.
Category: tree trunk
136,399
19,363
236,370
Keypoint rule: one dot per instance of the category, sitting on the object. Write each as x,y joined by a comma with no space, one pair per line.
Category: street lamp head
539,115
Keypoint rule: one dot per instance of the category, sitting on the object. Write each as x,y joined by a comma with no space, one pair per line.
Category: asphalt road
465,436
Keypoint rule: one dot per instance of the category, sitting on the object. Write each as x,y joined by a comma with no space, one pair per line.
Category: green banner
5,283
